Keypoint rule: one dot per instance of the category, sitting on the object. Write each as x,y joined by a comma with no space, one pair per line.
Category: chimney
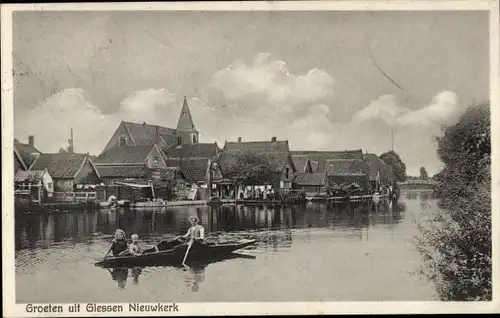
239,139
31,140
273,139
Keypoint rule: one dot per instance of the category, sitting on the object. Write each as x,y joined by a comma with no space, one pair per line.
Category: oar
187,251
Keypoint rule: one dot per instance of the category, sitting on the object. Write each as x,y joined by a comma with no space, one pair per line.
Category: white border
10,309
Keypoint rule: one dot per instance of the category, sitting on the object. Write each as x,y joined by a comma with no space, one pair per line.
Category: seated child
135,247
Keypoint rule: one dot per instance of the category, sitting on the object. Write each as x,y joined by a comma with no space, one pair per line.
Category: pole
392,139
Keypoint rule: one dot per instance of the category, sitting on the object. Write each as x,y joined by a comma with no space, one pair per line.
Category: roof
200,150
321,156
25,175
312,179
375,164
145,134
193,169
125,155
26,152
60,165
170,173
314,166
257,146
185,122
300,162
123,171
346,167
18,156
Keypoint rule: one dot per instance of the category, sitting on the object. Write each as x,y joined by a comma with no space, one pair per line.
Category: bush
456,242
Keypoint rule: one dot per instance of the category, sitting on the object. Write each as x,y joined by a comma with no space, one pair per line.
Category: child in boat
135,247
119,245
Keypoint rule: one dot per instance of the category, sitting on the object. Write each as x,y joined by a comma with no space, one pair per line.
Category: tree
398,167
250,169
423,174
456,243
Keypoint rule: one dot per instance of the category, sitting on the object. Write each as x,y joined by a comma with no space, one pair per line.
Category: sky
321,80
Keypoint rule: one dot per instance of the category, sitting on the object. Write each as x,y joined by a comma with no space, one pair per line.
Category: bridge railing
419,182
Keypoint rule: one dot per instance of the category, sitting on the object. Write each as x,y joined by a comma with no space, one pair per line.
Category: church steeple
185,120
186,131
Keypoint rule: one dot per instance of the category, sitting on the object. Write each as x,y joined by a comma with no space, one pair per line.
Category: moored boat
176,254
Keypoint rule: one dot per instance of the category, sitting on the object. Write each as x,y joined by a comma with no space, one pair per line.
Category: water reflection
121,274
34,231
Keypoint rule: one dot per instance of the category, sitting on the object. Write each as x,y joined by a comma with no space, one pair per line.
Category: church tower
186,131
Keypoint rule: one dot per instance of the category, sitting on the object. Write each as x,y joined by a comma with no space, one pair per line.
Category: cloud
255,101
443,109
51,121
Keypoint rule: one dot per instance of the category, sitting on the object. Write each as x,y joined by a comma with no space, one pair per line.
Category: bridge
417,184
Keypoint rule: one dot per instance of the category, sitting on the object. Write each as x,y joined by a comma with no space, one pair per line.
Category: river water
314,252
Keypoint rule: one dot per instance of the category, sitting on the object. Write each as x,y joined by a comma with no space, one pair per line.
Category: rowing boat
176,254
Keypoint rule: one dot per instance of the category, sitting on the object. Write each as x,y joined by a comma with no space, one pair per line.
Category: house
28,152
67,170
129,163
318,158
143,134
311,183
302,163
348,171
40,181
380,172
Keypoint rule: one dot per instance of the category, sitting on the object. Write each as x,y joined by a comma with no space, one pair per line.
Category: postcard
213,158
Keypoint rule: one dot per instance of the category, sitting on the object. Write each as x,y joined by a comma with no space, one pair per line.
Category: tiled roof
346,167
193,169
322,156
26,152
60,165
125,155
145,134
313,179
257,146
300,162
25,175
200,150
123,171
228,159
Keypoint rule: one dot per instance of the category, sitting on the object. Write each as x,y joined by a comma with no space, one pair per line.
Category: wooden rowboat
175,255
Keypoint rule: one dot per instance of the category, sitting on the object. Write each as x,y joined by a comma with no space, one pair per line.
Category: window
50,186
155,161
123,141
194,139
287,172
179,140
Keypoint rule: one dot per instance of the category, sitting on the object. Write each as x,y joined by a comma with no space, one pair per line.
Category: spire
185,120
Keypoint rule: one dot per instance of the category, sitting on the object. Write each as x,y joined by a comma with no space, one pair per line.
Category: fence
74,196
